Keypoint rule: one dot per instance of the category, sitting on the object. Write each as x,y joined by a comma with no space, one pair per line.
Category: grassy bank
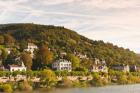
48,80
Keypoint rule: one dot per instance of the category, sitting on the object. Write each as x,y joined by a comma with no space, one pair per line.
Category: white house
17,67
62,64
31,48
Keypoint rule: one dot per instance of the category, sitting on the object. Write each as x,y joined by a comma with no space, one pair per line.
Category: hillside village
41,56
64,64
61,64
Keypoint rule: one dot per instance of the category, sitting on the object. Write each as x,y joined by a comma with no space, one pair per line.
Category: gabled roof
14,66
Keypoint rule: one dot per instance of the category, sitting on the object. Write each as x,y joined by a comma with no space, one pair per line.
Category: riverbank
48,79
106,89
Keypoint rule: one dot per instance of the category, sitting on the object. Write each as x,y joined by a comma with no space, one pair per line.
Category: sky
115,21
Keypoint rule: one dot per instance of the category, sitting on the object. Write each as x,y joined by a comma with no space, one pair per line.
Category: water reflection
107,89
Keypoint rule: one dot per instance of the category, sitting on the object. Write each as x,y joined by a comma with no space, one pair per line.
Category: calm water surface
107,89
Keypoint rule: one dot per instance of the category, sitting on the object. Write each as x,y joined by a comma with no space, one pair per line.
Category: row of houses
97,66
63,64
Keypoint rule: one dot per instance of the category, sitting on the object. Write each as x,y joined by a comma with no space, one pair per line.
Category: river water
107,89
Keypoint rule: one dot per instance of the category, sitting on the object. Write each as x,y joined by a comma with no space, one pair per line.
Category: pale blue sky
115,21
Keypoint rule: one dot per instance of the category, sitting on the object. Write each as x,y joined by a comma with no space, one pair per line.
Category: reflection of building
17,67
98,66
122,67
31,48
61,65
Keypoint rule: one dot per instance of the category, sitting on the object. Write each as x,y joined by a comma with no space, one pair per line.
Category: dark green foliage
61,39
3,54
11,58
75,60
1,39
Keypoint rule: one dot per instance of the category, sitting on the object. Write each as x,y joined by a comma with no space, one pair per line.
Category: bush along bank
49,79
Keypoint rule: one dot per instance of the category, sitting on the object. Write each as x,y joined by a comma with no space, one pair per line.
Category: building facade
98,66
134,68
21,67
61,65
31,48
121,67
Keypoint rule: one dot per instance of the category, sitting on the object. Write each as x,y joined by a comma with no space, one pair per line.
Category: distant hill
60,39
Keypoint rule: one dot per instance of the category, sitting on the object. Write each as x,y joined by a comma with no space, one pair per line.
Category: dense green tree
86,63
1,39
61,39
75,60
11,58
44,55
3,54
8,39
23,45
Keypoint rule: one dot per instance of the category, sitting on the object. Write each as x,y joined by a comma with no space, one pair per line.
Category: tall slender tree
27,59
44,55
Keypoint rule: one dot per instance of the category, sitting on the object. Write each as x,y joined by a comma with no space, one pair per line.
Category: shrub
48,78
6,88
98,81
24,86
79,84
122,79
65,83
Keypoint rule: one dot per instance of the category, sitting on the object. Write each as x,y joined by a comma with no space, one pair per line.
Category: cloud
115,21
54,2
106,4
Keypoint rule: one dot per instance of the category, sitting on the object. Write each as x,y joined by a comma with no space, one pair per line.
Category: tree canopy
60,39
